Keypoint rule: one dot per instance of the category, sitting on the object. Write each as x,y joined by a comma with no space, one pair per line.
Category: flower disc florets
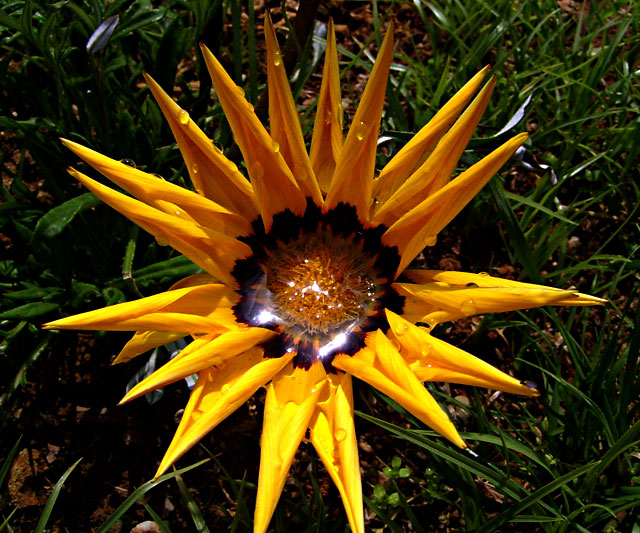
320,280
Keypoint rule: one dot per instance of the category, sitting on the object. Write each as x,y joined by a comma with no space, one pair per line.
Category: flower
306,280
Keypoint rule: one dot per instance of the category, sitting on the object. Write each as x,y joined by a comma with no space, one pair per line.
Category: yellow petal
273,183
353,176
291,401
414,153
212,174
466,279
163,195
215,352
218,393
418,227
436,171
432,359
326,142
334,437
462,301
385,369
284,121
199,309
211,250
143,341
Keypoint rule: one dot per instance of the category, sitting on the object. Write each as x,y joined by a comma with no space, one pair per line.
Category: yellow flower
306,281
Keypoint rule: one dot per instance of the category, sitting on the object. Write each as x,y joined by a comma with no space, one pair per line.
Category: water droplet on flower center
319,285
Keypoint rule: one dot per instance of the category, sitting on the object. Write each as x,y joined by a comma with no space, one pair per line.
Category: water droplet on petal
483,274
194,168
361,129
340,434
472,285
225,388
240,90
468,307
183,117
276,146
128,162
431,322
217,148
277,59
250,107
161,241
257,171
425,350
401,329
158,176
232,166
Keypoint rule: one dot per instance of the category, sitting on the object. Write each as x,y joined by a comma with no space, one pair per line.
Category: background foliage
565,215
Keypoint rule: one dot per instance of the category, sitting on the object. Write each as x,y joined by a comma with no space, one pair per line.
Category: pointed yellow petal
273,183
163,195
200,309
418,227
284,121
416,151
334,437
215,352
291,401
217,394
468,300
385,369
353,177
326,142
436,171
143,341
212,174
434,360
466,279
211,250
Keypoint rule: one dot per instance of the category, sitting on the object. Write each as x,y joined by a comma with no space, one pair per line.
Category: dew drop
257,171
183,117
276,146
225,388
240,90
277,59
250,107
194,168
158,176
402,329
128,162
232,166
161,241
483,274
425,350
468,307
472,285
340,434
216,147
431,322
361,130
177,212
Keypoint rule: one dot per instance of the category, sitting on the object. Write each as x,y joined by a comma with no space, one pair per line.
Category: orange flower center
319,284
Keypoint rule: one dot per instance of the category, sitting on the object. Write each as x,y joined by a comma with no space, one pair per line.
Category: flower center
322,281
319,285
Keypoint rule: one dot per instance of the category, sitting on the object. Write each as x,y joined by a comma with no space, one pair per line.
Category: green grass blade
51,500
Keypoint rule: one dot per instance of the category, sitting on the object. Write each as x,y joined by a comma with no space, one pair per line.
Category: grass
566,215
